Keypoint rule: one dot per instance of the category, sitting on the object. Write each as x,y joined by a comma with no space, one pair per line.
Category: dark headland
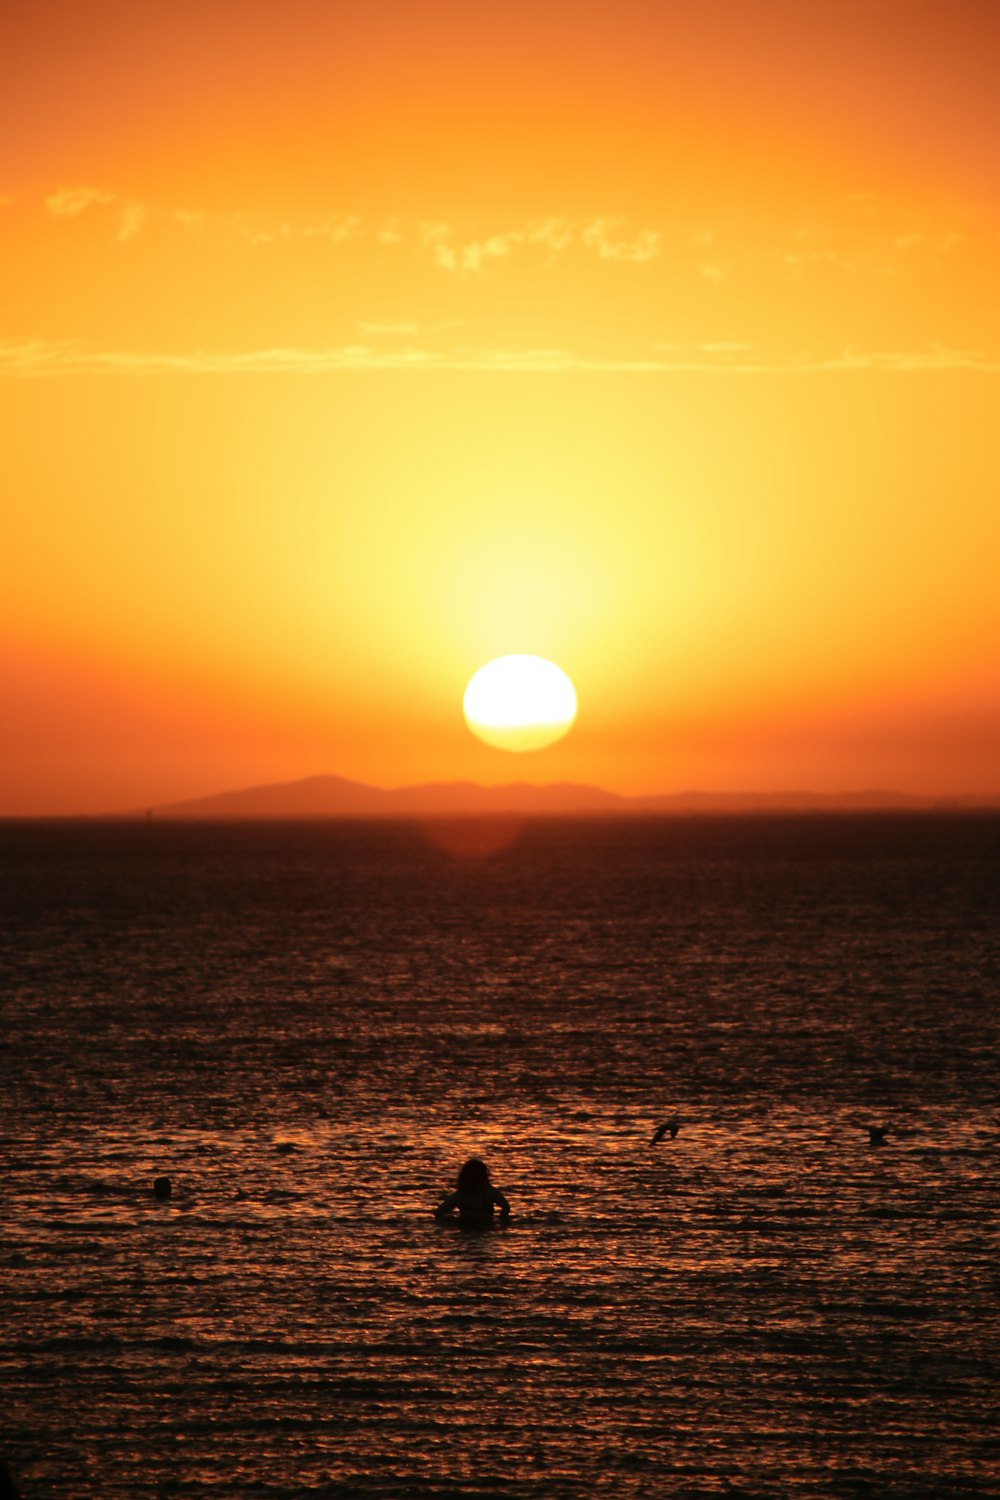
336,797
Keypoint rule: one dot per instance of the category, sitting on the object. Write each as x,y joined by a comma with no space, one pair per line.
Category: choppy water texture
309,1028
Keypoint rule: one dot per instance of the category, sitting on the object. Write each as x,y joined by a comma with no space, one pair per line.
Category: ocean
308,1028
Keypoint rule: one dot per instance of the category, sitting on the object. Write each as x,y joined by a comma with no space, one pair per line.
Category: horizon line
689,801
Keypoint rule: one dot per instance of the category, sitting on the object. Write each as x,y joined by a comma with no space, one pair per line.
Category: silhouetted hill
336,797
785,801
313,797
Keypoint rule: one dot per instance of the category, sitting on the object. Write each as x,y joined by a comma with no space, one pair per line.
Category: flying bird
669,1127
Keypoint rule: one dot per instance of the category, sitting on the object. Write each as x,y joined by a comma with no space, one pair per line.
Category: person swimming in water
474,1197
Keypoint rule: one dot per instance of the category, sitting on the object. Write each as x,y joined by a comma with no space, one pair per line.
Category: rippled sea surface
308,1028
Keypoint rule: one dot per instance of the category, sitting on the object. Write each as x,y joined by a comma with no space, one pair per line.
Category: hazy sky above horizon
345,348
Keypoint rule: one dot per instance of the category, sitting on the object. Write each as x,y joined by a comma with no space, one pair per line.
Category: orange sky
340,353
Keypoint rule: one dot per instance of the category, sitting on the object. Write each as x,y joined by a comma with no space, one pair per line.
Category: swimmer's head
474,1176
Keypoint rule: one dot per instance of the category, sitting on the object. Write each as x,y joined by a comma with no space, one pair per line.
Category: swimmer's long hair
474,1176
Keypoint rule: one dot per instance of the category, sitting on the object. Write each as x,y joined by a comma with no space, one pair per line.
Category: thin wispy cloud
67,203
134,216
744,360
336,229
472,249
937,244
602,238
132,213
71,357
608,239
933,359
39,358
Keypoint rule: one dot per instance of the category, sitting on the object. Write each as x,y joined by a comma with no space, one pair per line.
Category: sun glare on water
519,703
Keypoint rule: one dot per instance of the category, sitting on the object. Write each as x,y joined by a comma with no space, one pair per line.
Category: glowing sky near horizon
343,350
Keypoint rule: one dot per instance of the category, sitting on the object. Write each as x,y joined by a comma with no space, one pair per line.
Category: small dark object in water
877,1134
162,1188
670,1127
285,1148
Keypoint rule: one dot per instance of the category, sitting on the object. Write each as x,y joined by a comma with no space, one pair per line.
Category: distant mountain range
335,797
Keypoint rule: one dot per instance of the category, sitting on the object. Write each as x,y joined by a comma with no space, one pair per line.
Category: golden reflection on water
765,1302
472,838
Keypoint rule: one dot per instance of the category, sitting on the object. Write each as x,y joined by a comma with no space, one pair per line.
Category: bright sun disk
519,703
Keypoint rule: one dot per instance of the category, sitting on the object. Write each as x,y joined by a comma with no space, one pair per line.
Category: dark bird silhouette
877,1134
669,1127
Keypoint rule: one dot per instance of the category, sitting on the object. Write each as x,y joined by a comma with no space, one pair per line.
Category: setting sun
520,703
